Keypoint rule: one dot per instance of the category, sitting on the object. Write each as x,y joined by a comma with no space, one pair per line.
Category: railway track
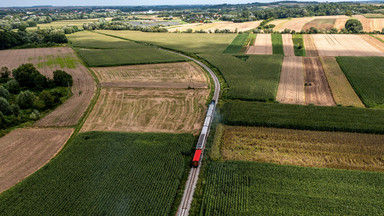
193,177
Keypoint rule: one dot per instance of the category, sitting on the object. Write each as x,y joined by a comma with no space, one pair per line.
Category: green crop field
346,119
277,44
366,75
188,43
103,173
58,24
100,50
238,43
298,44
257,78
251,188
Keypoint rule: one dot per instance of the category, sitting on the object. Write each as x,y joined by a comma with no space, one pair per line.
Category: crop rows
237,44
298,43
105,173
346,119
250,188
277,44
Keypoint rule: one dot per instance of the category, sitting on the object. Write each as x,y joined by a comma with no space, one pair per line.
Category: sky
10,3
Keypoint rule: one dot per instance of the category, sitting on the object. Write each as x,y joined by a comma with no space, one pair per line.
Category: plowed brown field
262,46
288,45
23,151
310,47
148,110
46,59
317,90
320,24
344,45
291,85
173,75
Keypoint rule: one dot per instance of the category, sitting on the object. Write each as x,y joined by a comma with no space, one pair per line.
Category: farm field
322,118
288,45
342,91
23,151
252,188
298,44
338,150
100,50
188,43
373,15
295,24
291,85
257,78
262,46
238,43
320,24
310,47
46,61
339,45
245,26
58,24
372,40
340,23
370,24
148,110
366,77
106,173
277,44
316,88
170,75
279,23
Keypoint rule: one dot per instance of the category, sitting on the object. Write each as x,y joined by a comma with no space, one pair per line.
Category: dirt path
291,86
288,45
344,45
317,90
23,151
310,47
262,46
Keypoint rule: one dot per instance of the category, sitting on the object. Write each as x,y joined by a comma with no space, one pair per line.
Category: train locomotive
203,135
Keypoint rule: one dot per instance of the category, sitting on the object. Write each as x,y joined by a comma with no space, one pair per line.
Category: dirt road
317,90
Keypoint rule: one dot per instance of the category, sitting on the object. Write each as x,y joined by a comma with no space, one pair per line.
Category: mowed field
262,46
189,43
47,60
370,24
58,24
148,110
170,75
340,45
101,51
254,188
23,151
320,24
245,26
288,45
105,173
304,148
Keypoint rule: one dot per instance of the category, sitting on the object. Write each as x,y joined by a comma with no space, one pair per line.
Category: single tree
12,86
25,99
4,92
354,26
62,78
5,108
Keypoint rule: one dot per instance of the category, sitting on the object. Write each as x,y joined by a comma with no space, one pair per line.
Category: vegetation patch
251,188
238,43
319,24
338,150
366,76
66,61
105,173
254,79
347,119
277,44
298,43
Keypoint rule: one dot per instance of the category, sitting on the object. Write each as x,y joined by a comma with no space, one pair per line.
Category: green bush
4,72
25,99
12,86
27,75
62,78
4,92
5,108
354,25
15,110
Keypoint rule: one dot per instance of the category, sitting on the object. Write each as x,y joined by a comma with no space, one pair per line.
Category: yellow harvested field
342,90
295,24
304,148
310,48
23,151
148,110
278,23
340,23
47,60
288,45
172,75
370,24
291,85
344,45
262,46
245,26
374,42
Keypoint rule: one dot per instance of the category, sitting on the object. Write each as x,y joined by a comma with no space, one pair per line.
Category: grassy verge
237,44
345,119
298,43
277,44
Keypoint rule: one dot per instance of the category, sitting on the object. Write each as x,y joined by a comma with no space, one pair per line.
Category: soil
262,46
317,90
288,45
310,47
291,86
23,151
374,42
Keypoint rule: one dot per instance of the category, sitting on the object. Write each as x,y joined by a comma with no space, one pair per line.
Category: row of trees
120,25
23,97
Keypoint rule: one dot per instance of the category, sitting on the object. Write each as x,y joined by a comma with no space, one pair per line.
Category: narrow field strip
291,85
310,47
23,151
262,46
374,42
288,45
342,90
